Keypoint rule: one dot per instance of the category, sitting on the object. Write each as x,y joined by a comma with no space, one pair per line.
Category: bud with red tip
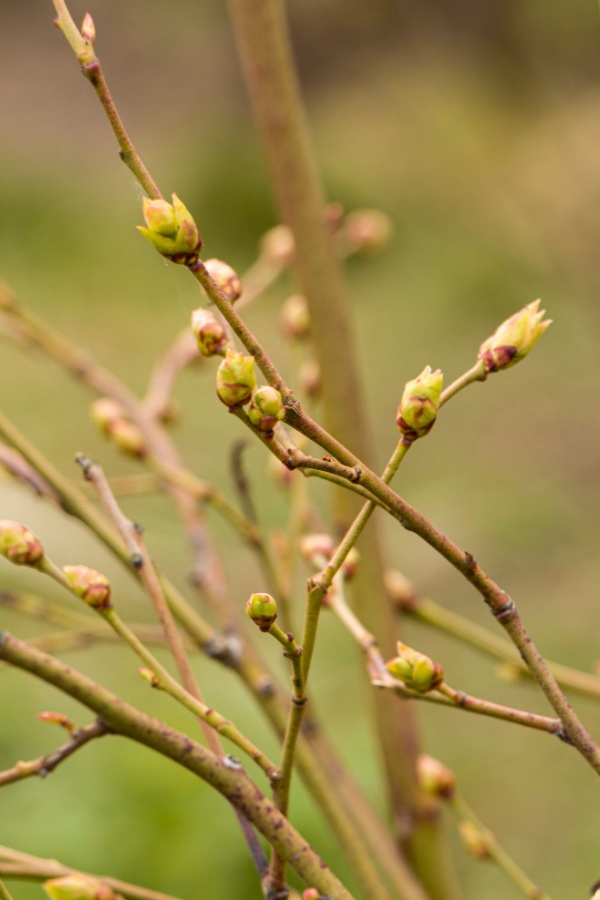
19,545
262,609
514,338
236,379
171,230
226,278
266,408
91,586
434,777
419,405
209,333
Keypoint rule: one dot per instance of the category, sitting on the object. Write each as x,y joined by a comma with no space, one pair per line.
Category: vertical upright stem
264,47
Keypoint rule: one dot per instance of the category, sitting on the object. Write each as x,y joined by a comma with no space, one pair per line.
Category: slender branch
476,373
431,613
222,773
182,352
47,763
4,894
32,868
492,849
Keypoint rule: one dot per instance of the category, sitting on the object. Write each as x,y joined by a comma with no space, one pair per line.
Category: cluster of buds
417,671
171,230
19,545
112,420
226,278
514,338
236,379
210,334
419,405
266,408
435,778
91,586
318,549
77,886
262,609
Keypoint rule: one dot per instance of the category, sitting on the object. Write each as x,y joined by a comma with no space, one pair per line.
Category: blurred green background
476,127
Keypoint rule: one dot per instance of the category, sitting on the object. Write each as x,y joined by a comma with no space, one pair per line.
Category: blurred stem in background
263,42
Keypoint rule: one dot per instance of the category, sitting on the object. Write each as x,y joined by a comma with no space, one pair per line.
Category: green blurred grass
494,198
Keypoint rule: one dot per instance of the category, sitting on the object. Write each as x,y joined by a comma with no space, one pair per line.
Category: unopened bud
400,590
56,718
19,545
88,29
367,230
434,777
311,894
417,671
514,338
317,549
236,379
128,438
149,676
277,244
474,840
91,586
77,886
105,412
171,230
310,377
294,319
262,609
226,278
266,408
419,405
209,332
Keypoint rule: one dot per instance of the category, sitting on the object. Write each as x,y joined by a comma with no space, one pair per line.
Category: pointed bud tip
19,545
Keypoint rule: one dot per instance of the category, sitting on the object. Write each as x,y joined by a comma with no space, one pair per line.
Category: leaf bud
19,545
310,377
262,609
294,319
105,412
514,338
311,894
209,332
91,586
417,671
236,379
226,278
434,777
400,589
367,231
77,886
277,245
266,408
88,29
149,676
419,405
317,549
128,438
171,230
56,718
476,842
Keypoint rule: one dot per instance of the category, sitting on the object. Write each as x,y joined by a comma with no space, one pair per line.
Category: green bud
419,405
434,777
226,278
128,438
209,333
77,886
105,412
514,338
91,586
19,545
262,609
417,671
235,379
266,408
171,230
294,319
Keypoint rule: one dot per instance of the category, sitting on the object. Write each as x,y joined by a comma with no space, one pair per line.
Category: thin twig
46,764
